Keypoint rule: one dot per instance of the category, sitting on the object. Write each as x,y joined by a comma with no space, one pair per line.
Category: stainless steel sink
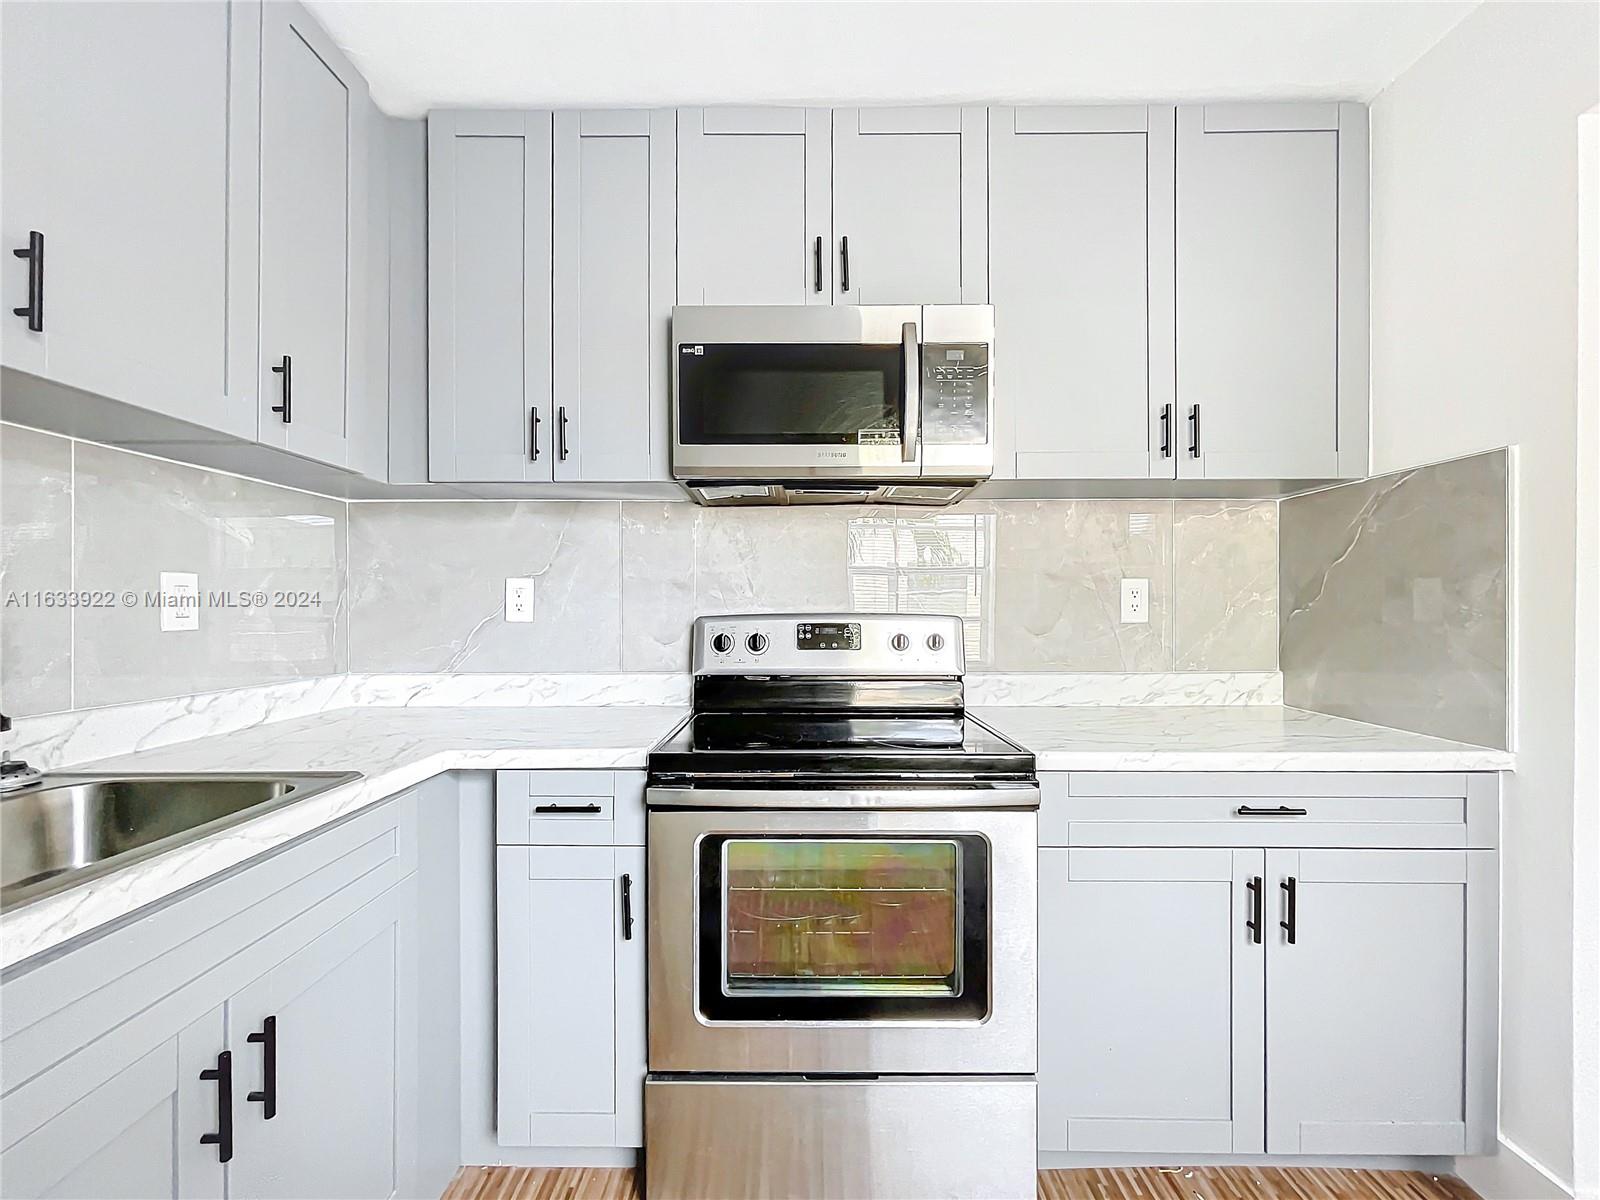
69,828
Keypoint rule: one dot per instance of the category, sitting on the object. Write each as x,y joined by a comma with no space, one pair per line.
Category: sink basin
69,828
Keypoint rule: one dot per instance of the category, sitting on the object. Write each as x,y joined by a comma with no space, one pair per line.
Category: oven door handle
910,393
905,797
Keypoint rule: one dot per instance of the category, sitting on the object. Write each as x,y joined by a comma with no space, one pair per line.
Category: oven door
843,941
778,392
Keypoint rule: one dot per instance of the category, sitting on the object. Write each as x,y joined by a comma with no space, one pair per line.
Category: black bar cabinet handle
33,310
561,433
817,257
267,1097
1283,810
222,1075
844,264
1194,431
1166,431
286,369
627,908
1287,924
1253,922
567,808
533,433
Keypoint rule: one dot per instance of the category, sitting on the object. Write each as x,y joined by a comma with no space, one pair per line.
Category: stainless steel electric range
843,876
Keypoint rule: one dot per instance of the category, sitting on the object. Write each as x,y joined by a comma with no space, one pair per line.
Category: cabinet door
910,205
135,1135
1081,276
570,995
130,145
613,265
753,206
1367,996
1150,1001
313,234
490,417
333,1043
1271,287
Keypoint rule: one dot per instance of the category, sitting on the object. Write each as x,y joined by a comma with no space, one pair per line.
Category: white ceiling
423,54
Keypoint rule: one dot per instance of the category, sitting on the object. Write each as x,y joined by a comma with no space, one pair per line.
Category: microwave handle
911,394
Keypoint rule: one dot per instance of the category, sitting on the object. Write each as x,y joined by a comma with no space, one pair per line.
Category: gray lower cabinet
570,936
1081,277
1272,291
314,166
254,1039
1222,997
129,135
1150,1001
755,190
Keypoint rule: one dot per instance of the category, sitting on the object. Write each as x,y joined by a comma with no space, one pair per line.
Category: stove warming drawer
926,1138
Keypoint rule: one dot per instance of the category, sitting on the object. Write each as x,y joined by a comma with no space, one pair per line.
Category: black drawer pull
1283,810
533,435
817,256
1253,922
1287,924
561,433
267,1097
844,264
222,1075
585,809
286,369
33,310
1166,431
1194,431
627,908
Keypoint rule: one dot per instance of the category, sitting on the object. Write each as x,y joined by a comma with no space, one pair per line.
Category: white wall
1474,345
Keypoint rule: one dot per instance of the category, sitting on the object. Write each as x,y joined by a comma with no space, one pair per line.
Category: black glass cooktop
834,743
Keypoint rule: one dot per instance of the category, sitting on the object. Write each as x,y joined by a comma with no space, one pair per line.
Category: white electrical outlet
519,599
1135,601
180,601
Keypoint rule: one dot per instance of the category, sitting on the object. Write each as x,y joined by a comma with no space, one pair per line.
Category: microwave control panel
955,393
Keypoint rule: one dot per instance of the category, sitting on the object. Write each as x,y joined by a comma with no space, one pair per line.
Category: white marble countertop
398,747
393,748
1249,737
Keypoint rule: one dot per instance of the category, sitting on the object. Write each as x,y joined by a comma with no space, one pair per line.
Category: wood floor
1118,1183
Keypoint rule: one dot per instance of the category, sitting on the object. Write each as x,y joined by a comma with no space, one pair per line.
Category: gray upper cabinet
910,205
613,274
314,236
490,416
1272,291
754,198
1081,276
1163,1053
129,136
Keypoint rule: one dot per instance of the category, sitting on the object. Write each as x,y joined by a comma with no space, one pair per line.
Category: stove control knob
900,642
756,643
721,643
936,642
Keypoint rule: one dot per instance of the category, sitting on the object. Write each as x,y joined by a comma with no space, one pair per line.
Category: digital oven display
828,635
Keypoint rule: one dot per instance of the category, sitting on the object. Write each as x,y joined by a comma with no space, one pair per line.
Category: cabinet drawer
569,808
1349,810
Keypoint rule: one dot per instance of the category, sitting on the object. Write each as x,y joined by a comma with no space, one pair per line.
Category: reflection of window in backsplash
935,564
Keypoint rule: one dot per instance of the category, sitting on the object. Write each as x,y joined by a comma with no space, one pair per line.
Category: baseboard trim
1511,1173
1069,1160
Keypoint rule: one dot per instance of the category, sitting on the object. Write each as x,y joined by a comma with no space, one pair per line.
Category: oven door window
782,394
843,928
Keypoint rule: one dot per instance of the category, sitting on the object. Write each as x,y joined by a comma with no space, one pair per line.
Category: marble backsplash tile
35,556
91,519
617,584
1394,600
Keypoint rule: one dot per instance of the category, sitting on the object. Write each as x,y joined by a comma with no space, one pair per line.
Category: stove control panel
845,644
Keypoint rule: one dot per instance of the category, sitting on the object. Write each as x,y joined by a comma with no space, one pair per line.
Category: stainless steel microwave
797,404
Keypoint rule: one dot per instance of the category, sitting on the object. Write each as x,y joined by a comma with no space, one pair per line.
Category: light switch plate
519,600
1135,601
180,601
